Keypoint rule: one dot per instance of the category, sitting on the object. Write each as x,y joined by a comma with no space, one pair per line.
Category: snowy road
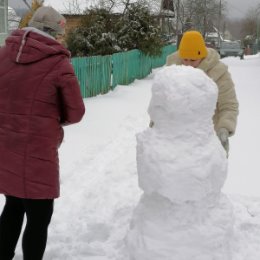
99,180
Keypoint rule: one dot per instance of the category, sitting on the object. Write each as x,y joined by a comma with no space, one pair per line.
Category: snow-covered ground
99,188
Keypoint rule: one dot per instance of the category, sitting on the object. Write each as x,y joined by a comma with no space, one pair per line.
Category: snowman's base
162,230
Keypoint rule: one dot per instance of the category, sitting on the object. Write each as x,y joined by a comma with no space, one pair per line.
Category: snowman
182,167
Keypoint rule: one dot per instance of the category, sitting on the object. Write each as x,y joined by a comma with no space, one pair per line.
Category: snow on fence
100,74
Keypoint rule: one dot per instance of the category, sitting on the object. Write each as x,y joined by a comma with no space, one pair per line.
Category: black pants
38,213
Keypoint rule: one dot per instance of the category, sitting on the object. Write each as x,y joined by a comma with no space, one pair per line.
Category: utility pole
178,33
205,19
219,19
177,16
257,27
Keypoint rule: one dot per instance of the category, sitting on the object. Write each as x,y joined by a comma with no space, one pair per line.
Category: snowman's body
182,167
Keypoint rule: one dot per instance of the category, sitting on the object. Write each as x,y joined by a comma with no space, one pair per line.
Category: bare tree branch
72,7
25,2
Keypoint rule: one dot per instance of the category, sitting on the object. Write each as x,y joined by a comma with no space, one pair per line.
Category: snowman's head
182,94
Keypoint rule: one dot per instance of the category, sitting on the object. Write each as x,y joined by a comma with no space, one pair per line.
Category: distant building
3,20
21,7
18,9
72,21
213,39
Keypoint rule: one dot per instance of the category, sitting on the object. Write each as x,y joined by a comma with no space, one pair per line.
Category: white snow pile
182,214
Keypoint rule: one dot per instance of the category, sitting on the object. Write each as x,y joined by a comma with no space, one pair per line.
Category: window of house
3,16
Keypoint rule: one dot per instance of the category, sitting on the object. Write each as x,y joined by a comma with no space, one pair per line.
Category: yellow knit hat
192,46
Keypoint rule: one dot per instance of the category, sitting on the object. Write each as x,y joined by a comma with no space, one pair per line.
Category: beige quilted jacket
227,105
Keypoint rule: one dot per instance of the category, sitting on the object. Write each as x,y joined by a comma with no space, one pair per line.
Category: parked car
231,49
168,38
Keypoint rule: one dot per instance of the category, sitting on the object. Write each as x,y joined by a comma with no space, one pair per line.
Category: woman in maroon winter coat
39,93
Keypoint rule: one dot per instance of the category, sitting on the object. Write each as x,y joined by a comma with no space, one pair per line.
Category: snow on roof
20,6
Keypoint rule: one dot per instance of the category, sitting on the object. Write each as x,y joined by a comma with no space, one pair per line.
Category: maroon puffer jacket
39,93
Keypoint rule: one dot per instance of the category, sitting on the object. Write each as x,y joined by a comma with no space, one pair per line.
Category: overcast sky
237,8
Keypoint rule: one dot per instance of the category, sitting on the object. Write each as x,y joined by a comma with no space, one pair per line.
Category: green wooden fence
100,74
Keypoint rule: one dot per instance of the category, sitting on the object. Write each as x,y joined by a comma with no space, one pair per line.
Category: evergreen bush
105,33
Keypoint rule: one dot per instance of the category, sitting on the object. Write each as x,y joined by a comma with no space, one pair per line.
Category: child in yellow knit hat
192,45
193,52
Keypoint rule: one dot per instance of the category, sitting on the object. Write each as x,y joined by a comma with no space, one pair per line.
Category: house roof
20,6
